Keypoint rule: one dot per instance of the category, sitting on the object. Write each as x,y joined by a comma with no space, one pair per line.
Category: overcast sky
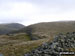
33,11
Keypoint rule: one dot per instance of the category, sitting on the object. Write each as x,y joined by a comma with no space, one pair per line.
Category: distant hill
49,29
6,28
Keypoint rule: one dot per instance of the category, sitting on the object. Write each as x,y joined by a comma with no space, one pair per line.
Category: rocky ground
61,43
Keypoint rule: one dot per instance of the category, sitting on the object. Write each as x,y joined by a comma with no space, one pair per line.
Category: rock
60,43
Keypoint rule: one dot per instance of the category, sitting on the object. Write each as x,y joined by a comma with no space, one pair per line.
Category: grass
6,40
19,49
18,44
19,36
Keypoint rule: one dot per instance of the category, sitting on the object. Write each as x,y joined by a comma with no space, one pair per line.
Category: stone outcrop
61,43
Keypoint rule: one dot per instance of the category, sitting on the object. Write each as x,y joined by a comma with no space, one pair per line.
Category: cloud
33,11
16,11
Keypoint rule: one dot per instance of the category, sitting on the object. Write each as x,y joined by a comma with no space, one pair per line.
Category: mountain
6,28
49,29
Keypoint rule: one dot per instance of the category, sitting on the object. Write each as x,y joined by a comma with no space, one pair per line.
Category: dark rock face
61,43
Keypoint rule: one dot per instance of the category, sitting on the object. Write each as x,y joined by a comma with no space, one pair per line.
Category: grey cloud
43,7
11,20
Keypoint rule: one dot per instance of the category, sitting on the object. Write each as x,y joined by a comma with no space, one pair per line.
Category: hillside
21,42
49,29
18,44
6,28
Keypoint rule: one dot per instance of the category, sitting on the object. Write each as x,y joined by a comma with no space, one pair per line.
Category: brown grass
19,49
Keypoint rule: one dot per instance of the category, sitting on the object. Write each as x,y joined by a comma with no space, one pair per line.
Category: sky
29,12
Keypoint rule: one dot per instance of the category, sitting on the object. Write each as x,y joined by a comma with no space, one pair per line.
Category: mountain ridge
50,29
8,27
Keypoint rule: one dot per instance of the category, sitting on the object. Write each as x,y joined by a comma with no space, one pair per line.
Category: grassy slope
49,29
14,38
19,49
18,44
